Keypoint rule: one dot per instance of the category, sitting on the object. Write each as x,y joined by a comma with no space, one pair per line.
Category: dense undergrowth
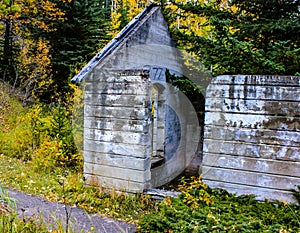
38,155
42,134
201,209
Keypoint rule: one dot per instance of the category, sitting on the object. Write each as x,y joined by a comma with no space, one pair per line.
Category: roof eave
112,45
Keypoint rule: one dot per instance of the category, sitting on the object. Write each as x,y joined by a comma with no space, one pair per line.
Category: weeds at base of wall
41,133
198,209
201,209
14,173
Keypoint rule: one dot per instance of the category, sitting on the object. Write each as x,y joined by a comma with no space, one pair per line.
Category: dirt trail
50,212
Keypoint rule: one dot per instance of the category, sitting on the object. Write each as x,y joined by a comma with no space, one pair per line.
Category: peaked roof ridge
114,43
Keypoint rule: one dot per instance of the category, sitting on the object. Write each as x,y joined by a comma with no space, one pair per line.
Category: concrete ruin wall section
116,138
252,135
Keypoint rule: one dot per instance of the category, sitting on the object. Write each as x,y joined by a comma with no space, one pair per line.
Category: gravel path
51,212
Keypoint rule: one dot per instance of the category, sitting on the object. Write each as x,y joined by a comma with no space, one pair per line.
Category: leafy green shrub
46,156
296,193
62,131
41,133
201,209
52,135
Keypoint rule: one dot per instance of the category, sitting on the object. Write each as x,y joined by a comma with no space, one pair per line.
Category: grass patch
70,189
201,209
14,131
10,223
37,156
197,209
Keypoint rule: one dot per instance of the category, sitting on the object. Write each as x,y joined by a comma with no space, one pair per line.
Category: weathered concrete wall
182,135
148,45
116,131
252,135
121,139
121,136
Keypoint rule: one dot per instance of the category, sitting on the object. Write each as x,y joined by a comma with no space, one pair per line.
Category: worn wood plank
160,194
116,124
254,92
117,172
261,193
116,100
130,113
104,74
124,88
256,80
115,184
258,179
253,106
270,166
251,150
111,76
117,136
255,136
252,121
139,151
117,160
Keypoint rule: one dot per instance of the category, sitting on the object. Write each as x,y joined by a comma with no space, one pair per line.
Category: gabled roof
115,42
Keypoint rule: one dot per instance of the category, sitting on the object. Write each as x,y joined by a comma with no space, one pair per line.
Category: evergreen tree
246,37
122,11
75,41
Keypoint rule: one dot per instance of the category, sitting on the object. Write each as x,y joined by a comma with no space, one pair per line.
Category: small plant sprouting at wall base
68,210
9,221
194,191
296,193
7,203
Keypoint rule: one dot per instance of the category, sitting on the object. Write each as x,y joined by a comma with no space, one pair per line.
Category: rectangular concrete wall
116,130
252,135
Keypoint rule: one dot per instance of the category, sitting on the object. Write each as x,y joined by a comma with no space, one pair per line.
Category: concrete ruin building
141,132
138,132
